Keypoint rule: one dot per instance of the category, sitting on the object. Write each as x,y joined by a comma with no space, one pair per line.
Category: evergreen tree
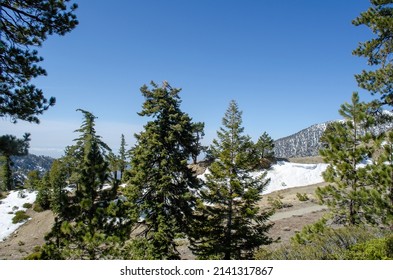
32,180
95,221
122,157
58,182
378,50
229,224
24,27
199,133
11,146
44,193
265,149
380,176
346,146
161,185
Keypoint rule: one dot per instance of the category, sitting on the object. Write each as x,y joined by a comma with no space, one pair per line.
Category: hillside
306,142
23,165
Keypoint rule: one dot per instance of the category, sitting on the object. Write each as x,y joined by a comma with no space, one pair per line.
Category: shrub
319,242
38,208
302,196
20,216
276,203
27,205
375,249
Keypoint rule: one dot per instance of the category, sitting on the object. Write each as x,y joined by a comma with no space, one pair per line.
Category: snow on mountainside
284,175
23,165
306,143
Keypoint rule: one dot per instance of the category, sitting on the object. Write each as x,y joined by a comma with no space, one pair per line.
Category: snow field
9,206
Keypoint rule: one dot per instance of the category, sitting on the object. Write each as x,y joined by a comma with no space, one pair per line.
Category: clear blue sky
288,64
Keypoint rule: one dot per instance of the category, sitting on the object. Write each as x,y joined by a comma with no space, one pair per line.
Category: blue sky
288,64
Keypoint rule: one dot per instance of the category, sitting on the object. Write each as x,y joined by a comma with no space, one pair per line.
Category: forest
138,202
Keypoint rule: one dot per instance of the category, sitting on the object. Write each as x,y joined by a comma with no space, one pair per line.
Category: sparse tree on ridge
161,186
265,149
228,223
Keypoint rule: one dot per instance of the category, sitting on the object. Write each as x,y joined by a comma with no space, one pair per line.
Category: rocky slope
306,143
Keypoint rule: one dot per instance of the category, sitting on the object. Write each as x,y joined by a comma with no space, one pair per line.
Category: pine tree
44,193
94,222
58,182
265,149
380,176
11,146
199,133
122,157
346,146
229,224
25,25
378,50
161,185
32,180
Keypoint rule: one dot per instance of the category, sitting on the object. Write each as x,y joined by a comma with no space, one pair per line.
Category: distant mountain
23,165
306,143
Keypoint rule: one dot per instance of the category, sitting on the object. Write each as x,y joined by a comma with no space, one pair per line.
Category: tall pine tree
380,177
346,146
11,146
161,185
378,50
228,222
94,221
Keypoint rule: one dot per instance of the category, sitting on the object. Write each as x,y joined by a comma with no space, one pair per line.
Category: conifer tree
229,224
161,185
11,146
58,182
199,134
346,145
24,26
378,50
122,157
33,180
95,222
380,176
44,193
264,148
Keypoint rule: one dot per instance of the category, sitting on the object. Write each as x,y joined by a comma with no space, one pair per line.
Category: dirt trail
31,234
297,212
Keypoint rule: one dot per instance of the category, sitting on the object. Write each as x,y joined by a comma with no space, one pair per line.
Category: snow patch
8,206
284,175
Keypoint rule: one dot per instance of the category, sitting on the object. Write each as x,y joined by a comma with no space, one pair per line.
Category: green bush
20,216
27,205
302,196
38,208
320,242
276,203
375,249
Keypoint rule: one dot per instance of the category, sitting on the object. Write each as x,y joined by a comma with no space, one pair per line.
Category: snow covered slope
284,175
8,206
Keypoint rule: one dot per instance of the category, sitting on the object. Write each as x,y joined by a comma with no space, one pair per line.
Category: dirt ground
287,221
31,234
